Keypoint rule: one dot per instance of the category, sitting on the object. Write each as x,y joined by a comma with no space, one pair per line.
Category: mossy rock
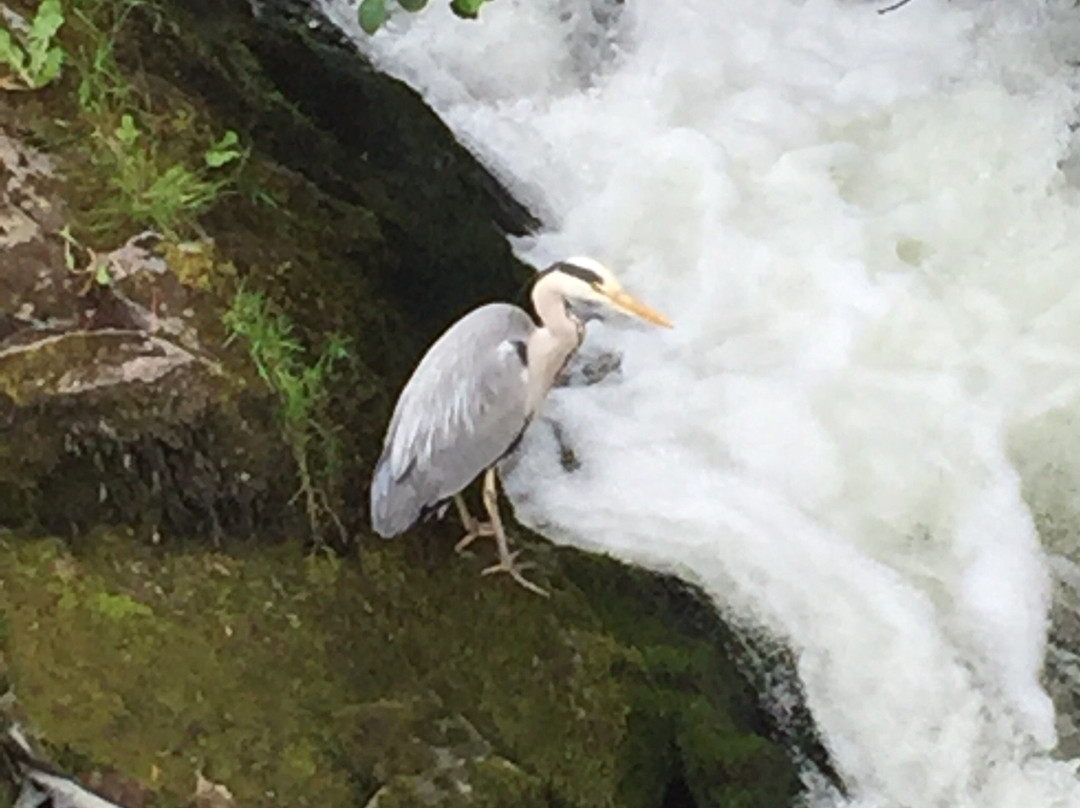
490,782
357,213
313,681
107,418
424,756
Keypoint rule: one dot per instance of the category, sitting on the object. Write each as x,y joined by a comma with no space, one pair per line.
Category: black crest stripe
581,273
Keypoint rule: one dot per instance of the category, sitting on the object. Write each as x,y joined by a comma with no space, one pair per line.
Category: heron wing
463,407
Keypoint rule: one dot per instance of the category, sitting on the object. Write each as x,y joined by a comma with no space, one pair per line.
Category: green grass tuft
280,359
149,190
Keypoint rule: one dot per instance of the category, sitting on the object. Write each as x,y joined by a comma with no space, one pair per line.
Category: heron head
586,279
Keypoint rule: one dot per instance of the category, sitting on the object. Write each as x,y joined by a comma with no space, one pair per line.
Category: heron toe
510,566
474,532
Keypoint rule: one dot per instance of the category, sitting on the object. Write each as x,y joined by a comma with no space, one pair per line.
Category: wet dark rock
383,229
1062,670
315,106
590,367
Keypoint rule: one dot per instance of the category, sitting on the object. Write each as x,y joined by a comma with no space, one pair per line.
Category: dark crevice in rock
678,795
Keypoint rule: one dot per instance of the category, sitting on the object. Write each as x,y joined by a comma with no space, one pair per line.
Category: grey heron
472,396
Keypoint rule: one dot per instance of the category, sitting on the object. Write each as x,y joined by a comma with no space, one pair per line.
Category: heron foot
474,528
509,565
507,560
474,531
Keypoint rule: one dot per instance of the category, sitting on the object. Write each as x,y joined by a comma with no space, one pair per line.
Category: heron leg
507,560
474,528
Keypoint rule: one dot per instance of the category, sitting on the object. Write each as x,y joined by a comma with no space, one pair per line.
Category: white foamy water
860,226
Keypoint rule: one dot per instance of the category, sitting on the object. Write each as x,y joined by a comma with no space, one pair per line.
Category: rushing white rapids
864,229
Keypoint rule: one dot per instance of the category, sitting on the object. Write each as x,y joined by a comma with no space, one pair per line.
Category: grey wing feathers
462,409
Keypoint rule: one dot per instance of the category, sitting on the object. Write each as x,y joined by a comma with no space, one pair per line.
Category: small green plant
279,359
372,13
102,86
33,58
224,151
150,194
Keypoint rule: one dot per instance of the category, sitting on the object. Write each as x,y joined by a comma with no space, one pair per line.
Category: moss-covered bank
306,681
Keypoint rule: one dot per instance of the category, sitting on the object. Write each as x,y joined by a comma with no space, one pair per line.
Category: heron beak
624,302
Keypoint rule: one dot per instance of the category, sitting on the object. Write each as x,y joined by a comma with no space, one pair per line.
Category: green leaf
85,92
466,8
338,348
47,68
34,58
264,198
69,243
412,5
11,54
372,14
224,150
49,18
127,133
102,276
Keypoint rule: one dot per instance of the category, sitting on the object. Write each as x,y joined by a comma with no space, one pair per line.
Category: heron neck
550,306
558,336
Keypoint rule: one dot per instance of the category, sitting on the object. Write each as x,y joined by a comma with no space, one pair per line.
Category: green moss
499,783
691,706
198,265
318,681
194,665
489,782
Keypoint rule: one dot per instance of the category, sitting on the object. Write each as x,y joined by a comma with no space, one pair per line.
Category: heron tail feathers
395,503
